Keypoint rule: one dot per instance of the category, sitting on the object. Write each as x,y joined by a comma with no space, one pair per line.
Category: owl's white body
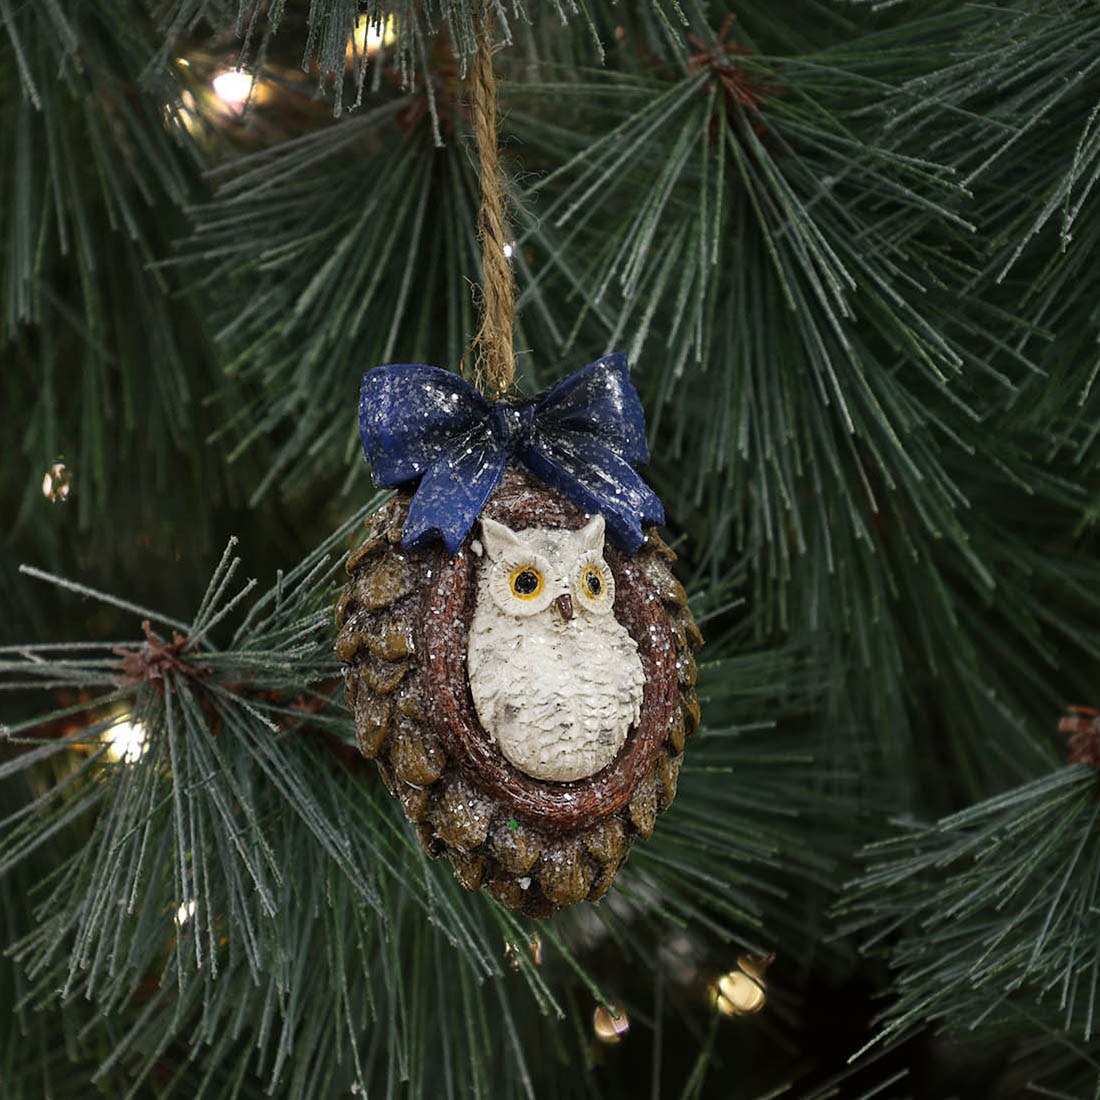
558,693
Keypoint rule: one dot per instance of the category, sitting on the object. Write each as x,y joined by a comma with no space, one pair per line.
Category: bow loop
600,400
582,437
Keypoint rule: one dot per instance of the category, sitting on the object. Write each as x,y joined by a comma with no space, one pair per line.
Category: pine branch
236,867
99,366
93,107
323,246
331,25
994,910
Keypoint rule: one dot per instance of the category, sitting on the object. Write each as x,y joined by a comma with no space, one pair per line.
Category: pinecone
534,845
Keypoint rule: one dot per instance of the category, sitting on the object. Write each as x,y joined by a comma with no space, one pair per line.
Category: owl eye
526,582
592,582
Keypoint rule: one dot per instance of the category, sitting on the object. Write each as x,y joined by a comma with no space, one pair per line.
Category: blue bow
581,437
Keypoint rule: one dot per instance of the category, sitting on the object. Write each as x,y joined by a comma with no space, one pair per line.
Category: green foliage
237,876
990,915
324,236
100,367
328,30
82,152
850,251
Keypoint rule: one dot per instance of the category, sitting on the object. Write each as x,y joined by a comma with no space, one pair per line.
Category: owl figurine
555,678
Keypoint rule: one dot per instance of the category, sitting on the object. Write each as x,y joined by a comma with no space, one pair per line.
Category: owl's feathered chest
558,697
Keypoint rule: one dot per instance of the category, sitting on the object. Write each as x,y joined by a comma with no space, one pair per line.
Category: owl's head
541,568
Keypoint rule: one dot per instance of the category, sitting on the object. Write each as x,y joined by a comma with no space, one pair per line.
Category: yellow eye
526,582
593,583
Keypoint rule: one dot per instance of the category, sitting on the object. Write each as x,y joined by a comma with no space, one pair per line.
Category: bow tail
451,495
596,479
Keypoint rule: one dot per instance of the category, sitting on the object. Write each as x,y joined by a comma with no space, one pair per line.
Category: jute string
495,365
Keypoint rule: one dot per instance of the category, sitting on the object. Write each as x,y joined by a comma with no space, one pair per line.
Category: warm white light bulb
736,994
127,742
610,1028
232,87
57,483
370,37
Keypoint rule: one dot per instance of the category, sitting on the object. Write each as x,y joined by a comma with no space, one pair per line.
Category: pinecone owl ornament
524,682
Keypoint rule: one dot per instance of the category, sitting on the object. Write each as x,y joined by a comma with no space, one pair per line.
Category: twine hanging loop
495,363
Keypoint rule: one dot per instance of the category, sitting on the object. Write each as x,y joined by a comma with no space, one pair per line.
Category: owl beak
564,604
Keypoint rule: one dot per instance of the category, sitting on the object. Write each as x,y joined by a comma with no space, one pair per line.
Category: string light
741,991
185,912
509,250
368,38
233,88
57,483
127,741
610,1027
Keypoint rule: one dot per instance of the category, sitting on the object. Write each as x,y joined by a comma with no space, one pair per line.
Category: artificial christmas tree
849,252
